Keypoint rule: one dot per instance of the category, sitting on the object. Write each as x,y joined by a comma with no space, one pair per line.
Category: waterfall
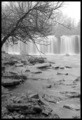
49,46
70,45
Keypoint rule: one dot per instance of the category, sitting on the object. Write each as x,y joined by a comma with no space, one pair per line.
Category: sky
70,9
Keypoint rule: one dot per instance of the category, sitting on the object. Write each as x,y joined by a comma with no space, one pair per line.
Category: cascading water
70,45
49,46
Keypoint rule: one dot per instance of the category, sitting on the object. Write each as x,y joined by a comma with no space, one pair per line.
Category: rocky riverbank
36,87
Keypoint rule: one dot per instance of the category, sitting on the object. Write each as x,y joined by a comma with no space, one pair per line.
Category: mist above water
49,46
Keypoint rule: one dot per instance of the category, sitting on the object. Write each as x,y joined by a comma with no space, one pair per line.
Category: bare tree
27,20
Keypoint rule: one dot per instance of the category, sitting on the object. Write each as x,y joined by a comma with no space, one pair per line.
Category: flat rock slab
12,62
72,107
10,82
44,66
19,64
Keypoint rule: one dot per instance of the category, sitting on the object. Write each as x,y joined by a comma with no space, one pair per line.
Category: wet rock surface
40,89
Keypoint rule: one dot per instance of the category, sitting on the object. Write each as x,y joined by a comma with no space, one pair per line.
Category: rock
15,76
13,72
36,96
24,62
68,66
56,67
59,73
76,80
4,110
37,109
17,107
27,70
38,72
19,65
10,83
71,107
55,116
75,96
3,68
51,99
4,90
12,62
49,86
51,62
8,117
66,74
36,60
76,117
61,67
15,99
67,54
44,66
41,101
46,111
24,108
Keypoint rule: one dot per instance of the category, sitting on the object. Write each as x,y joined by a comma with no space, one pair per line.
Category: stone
17,107
75,96
68,66
55,116
19,65
24,62
76,80
66,74
71,107
4,90
37,109
4,110
10,83
56,67
46,111
36,96
76,117
59,73
44,66
11,62
49,86
67,54
61,67
34,60
38,72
